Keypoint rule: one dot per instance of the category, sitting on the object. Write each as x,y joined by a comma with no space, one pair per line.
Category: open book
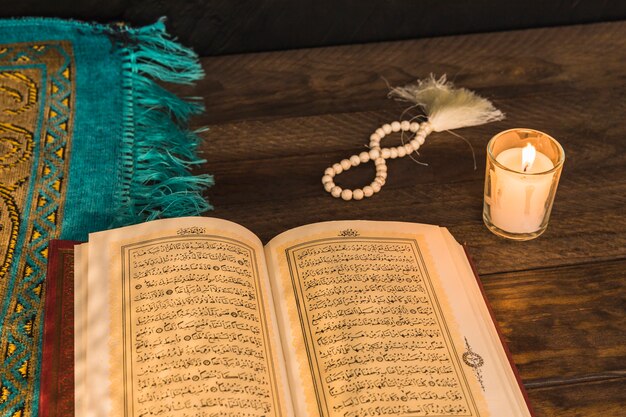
195,317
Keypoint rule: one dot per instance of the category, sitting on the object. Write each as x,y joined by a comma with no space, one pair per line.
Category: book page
495,375
185,308
367,323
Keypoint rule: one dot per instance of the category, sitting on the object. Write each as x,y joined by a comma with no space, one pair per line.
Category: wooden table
277,120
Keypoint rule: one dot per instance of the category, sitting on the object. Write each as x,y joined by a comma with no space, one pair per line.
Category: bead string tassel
446,108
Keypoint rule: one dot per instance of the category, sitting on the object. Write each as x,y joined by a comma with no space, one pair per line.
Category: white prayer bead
379,156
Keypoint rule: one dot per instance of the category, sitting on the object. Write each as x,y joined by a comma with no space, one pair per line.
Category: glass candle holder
522,175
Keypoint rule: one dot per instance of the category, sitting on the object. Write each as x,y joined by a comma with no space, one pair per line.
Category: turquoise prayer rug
89,139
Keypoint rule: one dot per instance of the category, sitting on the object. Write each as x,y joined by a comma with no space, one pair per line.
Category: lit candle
519,194
521,178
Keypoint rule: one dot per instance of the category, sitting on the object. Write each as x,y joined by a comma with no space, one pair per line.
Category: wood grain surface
277,120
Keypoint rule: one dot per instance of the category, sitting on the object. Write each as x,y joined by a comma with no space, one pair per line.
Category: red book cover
57,367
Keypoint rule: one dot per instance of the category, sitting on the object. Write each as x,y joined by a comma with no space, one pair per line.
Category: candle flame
528,157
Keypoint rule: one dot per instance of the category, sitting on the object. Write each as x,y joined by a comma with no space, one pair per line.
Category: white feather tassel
448,108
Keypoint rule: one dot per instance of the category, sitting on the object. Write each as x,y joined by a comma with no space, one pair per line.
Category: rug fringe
158,150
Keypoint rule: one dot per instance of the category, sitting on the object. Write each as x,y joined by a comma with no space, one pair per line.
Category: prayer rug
89,139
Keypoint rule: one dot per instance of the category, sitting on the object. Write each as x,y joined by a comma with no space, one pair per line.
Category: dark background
217,27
